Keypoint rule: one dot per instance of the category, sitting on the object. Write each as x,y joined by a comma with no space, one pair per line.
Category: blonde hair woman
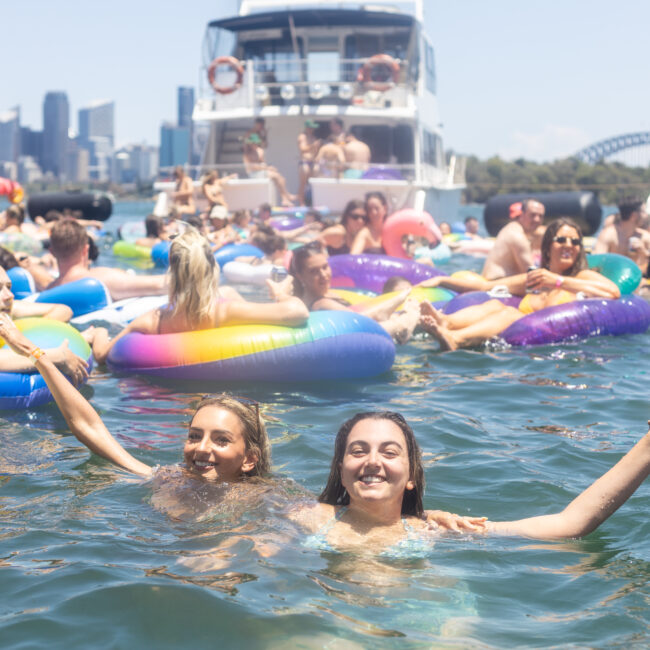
197,302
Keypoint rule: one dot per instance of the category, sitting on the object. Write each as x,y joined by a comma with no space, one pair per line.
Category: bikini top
412,545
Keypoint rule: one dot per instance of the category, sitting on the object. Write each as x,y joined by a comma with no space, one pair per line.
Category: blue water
91,557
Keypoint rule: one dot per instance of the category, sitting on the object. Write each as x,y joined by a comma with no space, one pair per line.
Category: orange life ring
234,65
364,76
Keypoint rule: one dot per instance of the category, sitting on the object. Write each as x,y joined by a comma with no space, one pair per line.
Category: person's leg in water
471,335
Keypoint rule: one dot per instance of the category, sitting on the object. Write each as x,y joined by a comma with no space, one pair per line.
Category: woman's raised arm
588,510
82,419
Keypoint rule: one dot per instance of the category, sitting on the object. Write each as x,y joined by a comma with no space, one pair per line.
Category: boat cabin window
430,66
362,46
432,152
275,60
323,59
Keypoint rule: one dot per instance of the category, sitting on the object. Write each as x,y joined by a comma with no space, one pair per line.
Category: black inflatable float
92,205
582,207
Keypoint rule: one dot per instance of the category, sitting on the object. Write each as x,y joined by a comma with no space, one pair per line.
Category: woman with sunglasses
562,277
368,239
312,275
197,302
339,238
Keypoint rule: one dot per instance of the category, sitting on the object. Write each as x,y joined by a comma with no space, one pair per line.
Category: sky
516,78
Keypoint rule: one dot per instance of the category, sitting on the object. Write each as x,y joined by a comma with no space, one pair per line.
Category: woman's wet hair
194,277
354,204
256,438
336,495
7,259
298,261
547,242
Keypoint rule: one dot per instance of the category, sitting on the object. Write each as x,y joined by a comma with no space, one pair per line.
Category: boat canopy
314,18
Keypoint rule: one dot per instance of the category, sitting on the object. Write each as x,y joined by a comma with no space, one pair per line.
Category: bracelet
559,281
35,355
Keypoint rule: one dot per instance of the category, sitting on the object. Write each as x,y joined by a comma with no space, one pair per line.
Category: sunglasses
575,241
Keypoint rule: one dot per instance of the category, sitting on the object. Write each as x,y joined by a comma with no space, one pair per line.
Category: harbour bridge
631,149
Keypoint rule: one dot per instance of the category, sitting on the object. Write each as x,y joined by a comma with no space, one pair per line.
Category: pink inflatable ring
408,222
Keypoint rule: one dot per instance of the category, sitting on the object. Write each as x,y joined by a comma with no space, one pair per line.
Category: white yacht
370,65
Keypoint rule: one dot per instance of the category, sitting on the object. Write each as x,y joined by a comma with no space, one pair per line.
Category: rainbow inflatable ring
26,390
331,345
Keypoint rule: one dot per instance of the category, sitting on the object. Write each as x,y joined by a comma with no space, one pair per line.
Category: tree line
610,181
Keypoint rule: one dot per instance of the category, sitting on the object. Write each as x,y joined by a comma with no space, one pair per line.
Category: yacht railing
305,82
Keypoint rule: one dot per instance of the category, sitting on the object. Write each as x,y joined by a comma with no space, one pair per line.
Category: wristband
35,355
559,281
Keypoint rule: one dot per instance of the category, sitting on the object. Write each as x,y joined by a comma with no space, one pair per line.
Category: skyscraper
97,121
56,121
174,145
10,135
185,105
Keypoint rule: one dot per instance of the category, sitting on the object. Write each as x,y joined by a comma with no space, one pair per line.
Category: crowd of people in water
373,499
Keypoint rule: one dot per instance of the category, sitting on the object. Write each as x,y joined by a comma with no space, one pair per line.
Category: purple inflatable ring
581,319
286,223
371,271
472,298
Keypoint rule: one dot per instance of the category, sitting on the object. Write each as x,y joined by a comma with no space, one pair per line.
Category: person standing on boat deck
357,153
626,236
337,131
69,245
212,189
512,251
183,196
256,167
308,146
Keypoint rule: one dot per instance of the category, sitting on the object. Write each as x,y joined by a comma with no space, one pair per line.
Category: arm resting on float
588,510
288,310
146,324
55,311
82,419
516,284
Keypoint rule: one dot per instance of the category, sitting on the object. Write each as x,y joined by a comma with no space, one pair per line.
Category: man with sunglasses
512,252
626,236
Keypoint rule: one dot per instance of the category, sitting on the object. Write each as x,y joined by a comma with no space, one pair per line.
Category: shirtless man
330,160
183,197
626,236
512,251
337,131
256,167
357,153
308,146
69,245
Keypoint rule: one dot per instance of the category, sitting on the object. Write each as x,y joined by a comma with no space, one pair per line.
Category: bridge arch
605,148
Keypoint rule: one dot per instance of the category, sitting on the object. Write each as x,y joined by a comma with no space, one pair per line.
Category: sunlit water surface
91,557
